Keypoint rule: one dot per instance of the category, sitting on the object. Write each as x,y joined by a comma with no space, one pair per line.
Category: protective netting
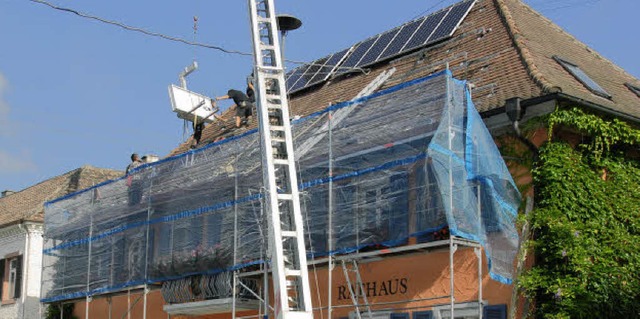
405,162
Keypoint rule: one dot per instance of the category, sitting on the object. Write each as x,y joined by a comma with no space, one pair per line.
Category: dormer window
588,82
633,88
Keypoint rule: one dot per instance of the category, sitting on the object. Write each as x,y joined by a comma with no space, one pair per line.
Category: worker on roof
135,162
243,105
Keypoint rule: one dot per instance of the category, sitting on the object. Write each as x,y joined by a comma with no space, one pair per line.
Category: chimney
7,192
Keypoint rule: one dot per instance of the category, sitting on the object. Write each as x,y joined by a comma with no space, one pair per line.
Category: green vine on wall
603,132
586,223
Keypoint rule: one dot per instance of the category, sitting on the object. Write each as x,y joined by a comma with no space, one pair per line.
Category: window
11,275
423,315
633,88
470,310
582,77
374,315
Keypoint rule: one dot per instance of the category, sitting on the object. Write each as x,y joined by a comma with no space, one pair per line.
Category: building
21,227
519,66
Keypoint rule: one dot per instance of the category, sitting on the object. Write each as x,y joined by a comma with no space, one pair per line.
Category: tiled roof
28,204
503,48
540,40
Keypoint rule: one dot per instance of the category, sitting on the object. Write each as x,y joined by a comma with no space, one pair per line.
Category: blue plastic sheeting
405,162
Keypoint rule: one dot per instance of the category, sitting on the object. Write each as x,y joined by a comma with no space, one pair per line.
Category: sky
75,91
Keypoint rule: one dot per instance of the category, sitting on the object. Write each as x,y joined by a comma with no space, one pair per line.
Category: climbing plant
586,222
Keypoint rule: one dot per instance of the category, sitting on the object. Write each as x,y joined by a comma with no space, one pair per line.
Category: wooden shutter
494,312
2,268
18,288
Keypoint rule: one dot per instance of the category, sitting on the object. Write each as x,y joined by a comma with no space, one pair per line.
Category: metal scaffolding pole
88,297
235,241
330,219
452,246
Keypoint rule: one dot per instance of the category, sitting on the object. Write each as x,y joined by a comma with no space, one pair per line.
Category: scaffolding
401,164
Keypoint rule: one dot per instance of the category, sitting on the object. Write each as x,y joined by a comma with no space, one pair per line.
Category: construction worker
135,162
243,105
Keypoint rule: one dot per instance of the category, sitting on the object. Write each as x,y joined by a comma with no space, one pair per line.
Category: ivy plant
586,222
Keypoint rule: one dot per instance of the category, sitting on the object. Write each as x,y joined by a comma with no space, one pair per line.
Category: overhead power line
167,37
143,31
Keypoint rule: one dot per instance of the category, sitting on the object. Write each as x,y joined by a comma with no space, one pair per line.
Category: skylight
633,88
582,77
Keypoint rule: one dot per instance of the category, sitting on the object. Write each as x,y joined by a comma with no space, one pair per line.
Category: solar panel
378,47
301,82
357,54
412,35
451,21
329,67
322,70
425,30
314,68
401,38
294,76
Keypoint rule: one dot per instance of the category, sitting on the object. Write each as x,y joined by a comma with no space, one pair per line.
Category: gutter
567,98
600,108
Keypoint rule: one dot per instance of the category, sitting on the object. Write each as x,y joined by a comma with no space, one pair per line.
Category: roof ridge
589,49
43,181
523,50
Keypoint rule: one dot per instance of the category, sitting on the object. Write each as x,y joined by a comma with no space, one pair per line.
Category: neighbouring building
21,227
402,190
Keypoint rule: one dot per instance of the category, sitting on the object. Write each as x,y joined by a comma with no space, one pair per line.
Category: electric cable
136,29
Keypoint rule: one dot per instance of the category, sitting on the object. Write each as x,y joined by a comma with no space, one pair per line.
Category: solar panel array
415,34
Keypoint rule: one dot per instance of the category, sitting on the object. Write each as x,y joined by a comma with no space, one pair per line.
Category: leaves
587,227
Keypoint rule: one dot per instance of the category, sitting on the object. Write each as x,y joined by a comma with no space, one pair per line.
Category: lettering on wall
374,289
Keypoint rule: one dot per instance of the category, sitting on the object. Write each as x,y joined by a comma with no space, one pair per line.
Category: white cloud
11,164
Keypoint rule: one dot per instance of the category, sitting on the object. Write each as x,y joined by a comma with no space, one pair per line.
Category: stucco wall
12,240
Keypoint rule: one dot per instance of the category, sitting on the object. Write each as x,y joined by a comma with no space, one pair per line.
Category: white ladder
292,294
360,292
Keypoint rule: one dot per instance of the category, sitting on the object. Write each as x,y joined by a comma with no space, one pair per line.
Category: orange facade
408,283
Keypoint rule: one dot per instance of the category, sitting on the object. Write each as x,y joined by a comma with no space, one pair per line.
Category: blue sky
77,92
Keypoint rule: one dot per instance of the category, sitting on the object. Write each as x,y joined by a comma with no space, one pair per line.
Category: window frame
383,314
633,88
469,309
571,67
10,286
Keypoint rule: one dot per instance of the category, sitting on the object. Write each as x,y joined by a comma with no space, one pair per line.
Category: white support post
452,250
478,252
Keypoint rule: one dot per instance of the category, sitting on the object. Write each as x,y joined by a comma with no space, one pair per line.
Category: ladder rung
288,233
279,161
278,139
285,196
263,19
276,128
264,46
271,68
292,272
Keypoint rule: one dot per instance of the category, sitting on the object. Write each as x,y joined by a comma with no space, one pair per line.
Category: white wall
13,239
